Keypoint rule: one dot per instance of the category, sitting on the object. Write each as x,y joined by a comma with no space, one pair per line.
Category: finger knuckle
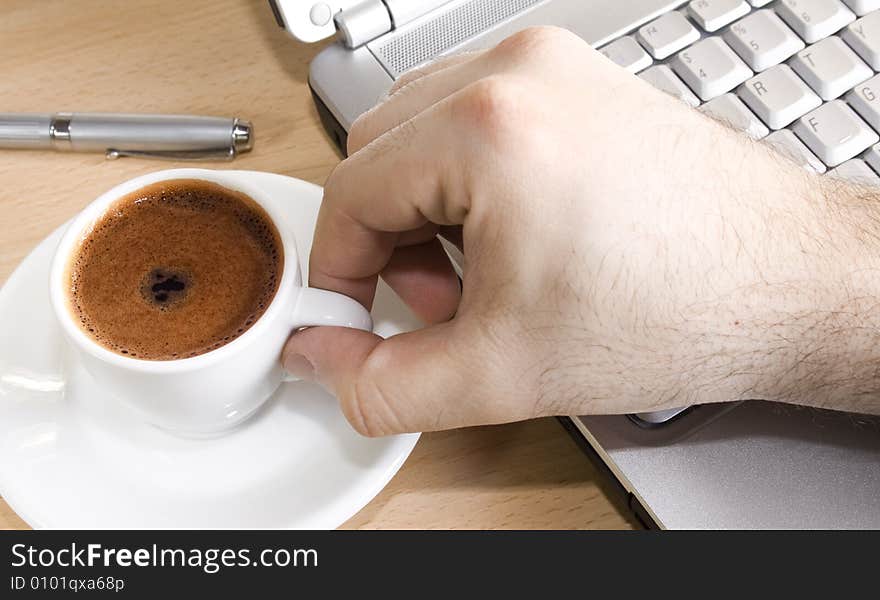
534,43
367,404
360,133
333,184
356,408
491,105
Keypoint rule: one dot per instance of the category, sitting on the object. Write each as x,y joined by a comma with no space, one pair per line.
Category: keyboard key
815,19
731,111
627,53
862,7
712,15
667,34
763,40
872,157
759,3
778,96
830,68
834,133
710,68
863,36
787,144
856,171
662,78
865,100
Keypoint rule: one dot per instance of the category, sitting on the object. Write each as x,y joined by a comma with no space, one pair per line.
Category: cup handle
315,308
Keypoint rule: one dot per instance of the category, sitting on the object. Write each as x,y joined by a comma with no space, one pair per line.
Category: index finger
393,185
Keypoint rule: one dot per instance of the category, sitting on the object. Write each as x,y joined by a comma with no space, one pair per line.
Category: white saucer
71,457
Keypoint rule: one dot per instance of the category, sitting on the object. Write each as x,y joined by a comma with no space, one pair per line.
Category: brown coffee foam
218,240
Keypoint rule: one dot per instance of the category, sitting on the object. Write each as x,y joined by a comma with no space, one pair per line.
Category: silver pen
172,137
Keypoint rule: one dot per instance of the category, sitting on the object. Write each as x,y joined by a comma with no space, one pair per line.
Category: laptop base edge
622,496
331,125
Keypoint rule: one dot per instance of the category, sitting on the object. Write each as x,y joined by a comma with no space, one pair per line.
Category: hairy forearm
778,298
821,341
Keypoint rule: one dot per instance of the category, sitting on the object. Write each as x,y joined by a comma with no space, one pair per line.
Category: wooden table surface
228,57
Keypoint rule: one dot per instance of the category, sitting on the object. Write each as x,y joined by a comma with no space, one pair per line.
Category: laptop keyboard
798,74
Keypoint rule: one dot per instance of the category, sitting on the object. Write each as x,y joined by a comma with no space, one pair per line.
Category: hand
623,253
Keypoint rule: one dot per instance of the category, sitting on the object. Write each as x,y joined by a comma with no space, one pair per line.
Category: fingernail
299,366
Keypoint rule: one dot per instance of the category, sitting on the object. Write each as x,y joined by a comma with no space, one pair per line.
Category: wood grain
228,58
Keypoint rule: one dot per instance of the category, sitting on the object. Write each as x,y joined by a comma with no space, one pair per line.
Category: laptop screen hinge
370,19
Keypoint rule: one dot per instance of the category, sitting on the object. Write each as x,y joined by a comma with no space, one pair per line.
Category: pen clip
187,155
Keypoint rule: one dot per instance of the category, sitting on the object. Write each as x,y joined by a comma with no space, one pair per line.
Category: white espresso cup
217,390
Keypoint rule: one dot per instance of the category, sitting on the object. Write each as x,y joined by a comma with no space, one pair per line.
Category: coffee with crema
174,270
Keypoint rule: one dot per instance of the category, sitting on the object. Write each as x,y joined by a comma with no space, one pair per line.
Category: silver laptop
744,465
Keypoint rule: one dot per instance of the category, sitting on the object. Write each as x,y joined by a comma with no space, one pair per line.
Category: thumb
411,382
